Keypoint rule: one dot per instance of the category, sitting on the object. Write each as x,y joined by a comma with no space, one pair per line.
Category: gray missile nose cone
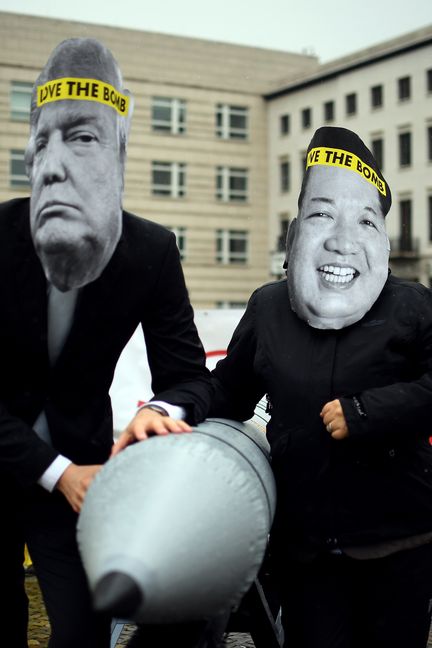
175,529
117,594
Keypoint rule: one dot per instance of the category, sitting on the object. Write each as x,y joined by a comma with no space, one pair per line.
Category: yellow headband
84,89
340,158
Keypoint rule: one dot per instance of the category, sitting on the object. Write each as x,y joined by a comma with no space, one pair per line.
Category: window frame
329,111
17,179
284,174
285,124
429,142
429,201
224,129
306,118
379,158
179,232
176,124
404,88
224,192
20,88
351,104
405,149
226,256
429,81
377,96
227,304
405,214
176,188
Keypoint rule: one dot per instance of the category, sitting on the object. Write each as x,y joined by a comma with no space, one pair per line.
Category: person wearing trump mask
343,351
79,274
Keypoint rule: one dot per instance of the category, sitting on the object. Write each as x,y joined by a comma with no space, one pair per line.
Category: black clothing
142,283
374,485
339,602
48,525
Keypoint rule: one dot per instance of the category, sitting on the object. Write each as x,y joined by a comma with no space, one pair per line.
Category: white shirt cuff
174,411
52,474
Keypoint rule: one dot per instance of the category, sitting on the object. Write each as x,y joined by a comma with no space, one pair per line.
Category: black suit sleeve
23,455
237,388
400,408
175,353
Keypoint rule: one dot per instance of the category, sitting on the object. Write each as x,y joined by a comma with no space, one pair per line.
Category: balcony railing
405,246
401,247
276,264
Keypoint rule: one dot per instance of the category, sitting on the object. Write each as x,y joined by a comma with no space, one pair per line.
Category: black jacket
376,484
143,283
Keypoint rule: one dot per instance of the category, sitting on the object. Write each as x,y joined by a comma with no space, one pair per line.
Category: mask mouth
338,274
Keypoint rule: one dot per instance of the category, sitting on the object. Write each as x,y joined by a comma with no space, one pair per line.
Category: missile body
175,528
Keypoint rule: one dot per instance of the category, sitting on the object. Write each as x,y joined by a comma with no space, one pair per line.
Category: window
329,111
231,184
377,97
180,234
351,103
232,246
429,143
306,117
231,304
284,222
430,217
377,146
231,121
404,88
168,115
284,124
404,149
429,80
284,177
303,160
18,175
20,100
169,179
405,214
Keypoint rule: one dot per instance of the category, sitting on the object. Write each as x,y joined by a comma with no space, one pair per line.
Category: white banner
132,380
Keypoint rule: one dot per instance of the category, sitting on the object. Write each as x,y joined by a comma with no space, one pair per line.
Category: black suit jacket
374,486
143,283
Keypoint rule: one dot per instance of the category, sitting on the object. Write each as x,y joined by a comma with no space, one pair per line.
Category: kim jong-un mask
337,248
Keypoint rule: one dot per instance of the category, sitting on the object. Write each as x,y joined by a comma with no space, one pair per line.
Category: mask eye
368,223
319,215
40,144
83,137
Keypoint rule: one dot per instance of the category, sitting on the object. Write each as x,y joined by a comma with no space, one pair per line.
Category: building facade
197,157
219,138
384,94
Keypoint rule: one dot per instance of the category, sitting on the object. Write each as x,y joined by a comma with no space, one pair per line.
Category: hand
146,423
74,483
334,420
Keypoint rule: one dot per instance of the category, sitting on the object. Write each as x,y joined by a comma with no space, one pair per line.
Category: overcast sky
327,28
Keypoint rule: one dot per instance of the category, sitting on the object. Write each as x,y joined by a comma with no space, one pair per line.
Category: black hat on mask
340,147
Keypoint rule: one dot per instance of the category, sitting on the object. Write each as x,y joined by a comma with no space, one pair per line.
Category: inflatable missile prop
175,528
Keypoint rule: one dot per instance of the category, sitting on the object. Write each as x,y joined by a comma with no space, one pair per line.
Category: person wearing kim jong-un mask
343,351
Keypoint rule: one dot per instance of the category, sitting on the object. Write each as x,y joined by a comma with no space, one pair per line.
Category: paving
39,629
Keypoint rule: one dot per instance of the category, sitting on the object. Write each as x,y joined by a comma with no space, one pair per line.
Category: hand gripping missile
175,528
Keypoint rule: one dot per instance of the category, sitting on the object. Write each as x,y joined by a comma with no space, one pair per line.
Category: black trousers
178,635
338,602
47,524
